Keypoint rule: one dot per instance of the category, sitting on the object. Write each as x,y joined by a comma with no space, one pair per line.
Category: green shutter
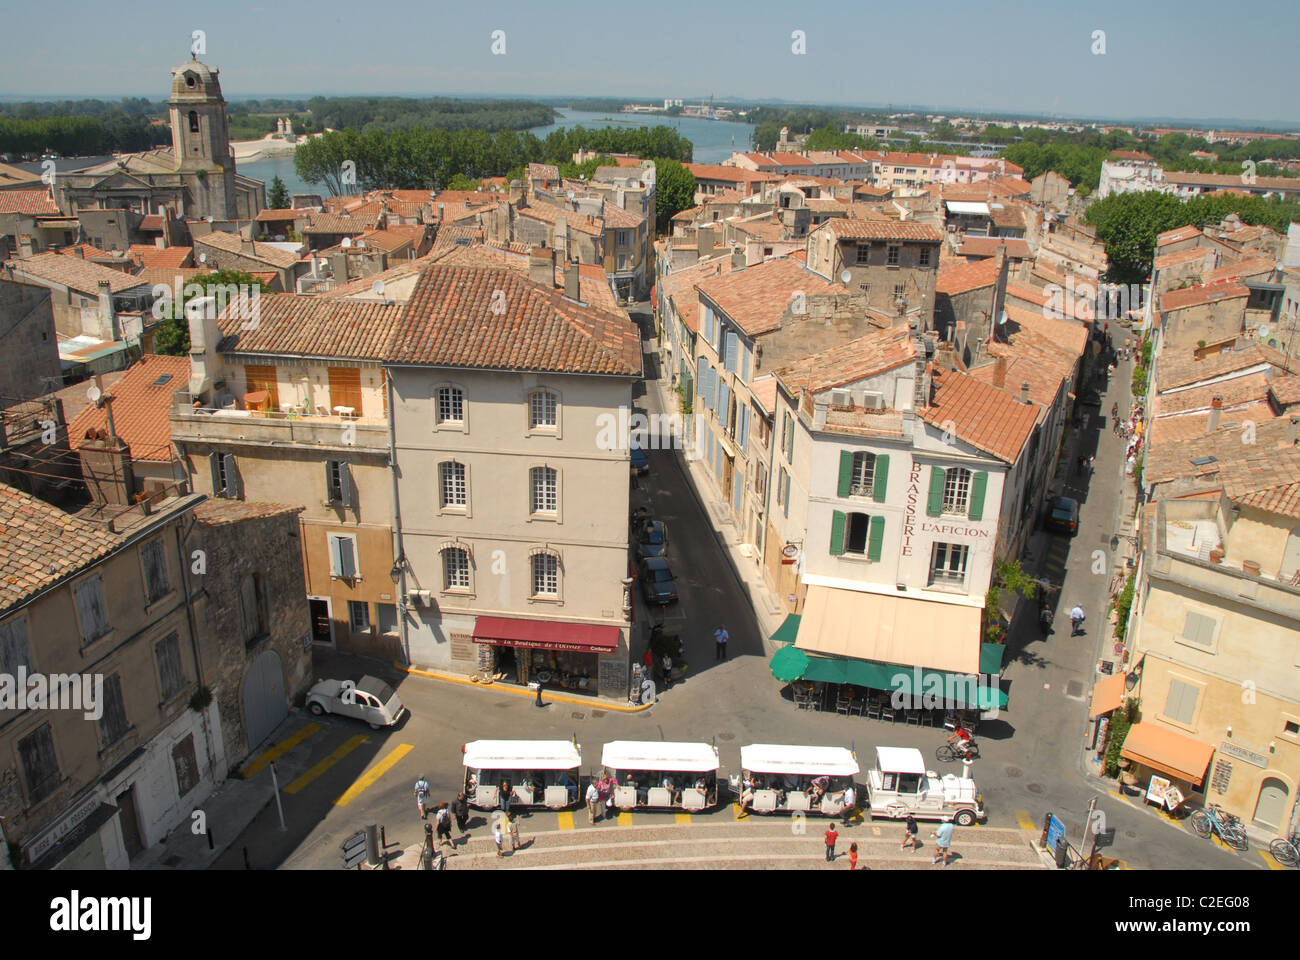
876,538
979,483
837,534
935,506
880,480
846,472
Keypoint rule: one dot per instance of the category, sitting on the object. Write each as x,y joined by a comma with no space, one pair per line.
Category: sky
1184,59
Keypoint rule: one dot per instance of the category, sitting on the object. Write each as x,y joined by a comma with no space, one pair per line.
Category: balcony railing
296,424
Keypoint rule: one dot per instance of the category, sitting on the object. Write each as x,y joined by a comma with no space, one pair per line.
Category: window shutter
708,326
880,479
345,483
724,404
699,379
90,604
978,484
329,480
876,538
846,472
710,386
248,606
731,352
347,558
336,557
213,460
786,507
934,507
837,533
232,478
15,651
743,414
744,363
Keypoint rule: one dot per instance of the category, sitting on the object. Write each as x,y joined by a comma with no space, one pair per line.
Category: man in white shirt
593,801
850,801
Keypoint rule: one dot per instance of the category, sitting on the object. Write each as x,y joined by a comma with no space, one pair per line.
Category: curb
559,698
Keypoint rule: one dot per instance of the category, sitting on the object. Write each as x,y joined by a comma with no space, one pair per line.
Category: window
186,764
343,557
451,405
864,253
787,435
451,483
112,722
252,608
541,410
948,563
225,477
899,290
15,651
1180,705
387,618
338,482
455,569
194,118
956,490
359,616
624,239
1199,629
892,258
40,766
862,475
546,575
345,390
544,483
171,674
855,533
155,571
90,608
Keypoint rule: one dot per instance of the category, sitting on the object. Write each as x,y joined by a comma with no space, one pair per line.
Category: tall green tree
277,194
674,191
172,335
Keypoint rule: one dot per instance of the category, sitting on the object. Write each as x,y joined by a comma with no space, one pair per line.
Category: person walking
593,801
498,837
910,831
720,637
1092,460
422,797
853,856
1077,616
668,671
514,832
505,794
442,819
942,842
461,809
850,800
831,836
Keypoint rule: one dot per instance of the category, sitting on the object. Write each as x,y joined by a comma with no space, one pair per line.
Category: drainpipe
397,521
194,636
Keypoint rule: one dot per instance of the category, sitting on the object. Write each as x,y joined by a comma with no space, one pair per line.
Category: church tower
201,140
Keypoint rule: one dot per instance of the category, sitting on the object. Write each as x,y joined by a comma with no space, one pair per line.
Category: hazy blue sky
1182,58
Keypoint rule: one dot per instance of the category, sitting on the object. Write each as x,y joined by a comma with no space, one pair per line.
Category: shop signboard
1055,832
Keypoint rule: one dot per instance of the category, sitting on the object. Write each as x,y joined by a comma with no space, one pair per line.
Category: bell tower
201,139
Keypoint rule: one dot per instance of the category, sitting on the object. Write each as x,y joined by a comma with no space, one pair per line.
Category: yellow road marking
373,774
1025,820
624,819
325,764
280,749
683,818
566,819
1268,858
738,813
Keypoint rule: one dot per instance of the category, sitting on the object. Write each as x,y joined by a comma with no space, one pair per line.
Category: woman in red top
853,856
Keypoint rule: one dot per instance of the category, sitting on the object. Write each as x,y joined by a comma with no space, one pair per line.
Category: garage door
1272,803
264,701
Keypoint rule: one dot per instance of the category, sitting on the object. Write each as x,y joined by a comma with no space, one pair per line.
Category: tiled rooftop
142,399
310,326
1200,295
43,545
757,297
850,362
75,273
230,243
981,415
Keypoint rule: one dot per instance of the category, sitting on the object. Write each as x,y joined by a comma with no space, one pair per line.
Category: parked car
657,583
1062,515
371,700
652,539
640,462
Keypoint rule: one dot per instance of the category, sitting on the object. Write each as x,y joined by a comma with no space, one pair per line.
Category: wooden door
345,388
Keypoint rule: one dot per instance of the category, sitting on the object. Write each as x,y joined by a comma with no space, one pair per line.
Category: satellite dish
1263,332
569,194
846,276
378,288
203,258
209,219
93,393
347,242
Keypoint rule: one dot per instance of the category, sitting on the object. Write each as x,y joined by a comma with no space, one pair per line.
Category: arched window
546,575
956,490
194,121
455,568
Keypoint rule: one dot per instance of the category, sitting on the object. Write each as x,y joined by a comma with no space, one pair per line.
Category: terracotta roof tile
43,545
230,243
1167,260
30,202
757,297
1017,248
983,416
1202,294
850,362
220,513
968,276
77,274
883,229
1285,390
1179,371
343,223
310,326
549,214
169,257
1250,267
1177,234
140,407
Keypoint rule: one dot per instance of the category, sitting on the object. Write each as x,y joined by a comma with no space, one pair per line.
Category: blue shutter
708,381
700,382
744,363
731,352
724,404
743,432
738,493
708,326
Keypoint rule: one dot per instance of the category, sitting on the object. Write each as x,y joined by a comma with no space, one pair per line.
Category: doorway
1271,806
322,624
129,819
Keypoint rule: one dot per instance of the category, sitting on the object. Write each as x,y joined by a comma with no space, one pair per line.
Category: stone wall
29,349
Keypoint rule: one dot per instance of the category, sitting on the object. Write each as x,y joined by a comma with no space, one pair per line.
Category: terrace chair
887,713
912,716
873,710
843,705
927,718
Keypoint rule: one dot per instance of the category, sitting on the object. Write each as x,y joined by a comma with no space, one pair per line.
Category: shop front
558,655
1166,766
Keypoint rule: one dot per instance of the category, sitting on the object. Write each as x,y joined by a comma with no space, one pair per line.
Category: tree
461,182
172,335
277,195
674,191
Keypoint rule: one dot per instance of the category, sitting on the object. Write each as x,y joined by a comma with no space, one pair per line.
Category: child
498,836
909,833
853,856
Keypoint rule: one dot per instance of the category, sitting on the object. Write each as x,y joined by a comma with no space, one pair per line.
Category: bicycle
950,750
1286,850
1214,819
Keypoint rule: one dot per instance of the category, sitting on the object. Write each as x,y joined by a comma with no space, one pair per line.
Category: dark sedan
652,540
1062,515
657,584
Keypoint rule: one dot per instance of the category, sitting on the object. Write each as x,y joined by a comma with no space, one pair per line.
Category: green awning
991,657
788,630
788,664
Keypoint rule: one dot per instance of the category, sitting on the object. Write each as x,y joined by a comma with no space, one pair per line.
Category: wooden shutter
875,538
731,352
934,507
846,472
186,764
744,428
90,605
15,651
329,480
724,404
345,388
744,363
112,723
155,571
213,464
345,483
837,533
263,378
347,559
978,484
233,487
248,607
880,479
171,674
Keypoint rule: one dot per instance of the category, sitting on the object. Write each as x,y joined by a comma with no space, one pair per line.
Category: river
712,139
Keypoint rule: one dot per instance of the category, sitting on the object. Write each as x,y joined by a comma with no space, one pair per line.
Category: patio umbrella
788,664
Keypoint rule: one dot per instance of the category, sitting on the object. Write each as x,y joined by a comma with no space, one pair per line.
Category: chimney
1216,414
106,469
704,242
820,407
246,247
79,252
541,266
1000,373
572,289
1024,392
205,334
105,312
25,246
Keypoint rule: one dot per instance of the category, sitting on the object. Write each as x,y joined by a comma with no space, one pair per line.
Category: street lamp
396,573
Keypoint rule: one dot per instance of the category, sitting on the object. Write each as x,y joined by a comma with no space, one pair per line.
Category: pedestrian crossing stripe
624,819
683,818
307,778
566,820
1025,820
280,749
738,813
368,778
